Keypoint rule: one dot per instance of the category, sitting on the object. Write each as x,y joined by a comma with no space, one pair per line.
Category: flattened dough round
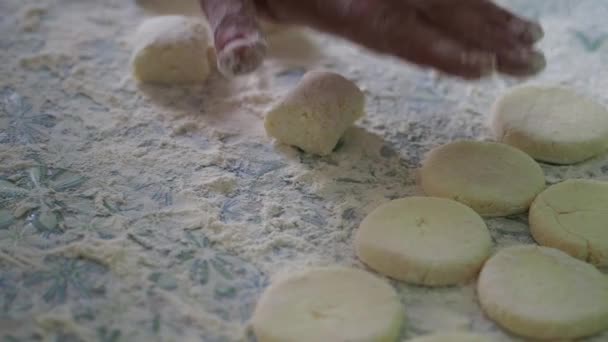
543,293
453,337
424,240
551,124
171,49
573,216
494,179
328,304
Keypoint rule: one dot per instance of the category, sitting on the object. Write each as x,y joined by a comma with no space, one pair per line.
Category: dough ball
424,240
543,293
453,337
316,113
492,178
551,124
573,216
328,304
171,49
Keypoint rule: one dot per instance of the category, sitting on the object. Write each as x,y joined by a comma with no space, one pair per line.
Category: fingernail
489,66
529,31
535,32
537,62
242,55
533,61
485,63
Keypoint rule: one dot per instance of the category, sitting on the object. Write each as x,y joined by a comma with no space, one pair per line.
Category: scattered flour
180,172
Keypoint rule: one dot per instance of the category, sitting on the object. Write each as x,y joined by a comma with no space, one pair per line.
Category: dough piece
492,178
543,293
171,49
551,124
573,216
328,304
424,240
316,113
453,337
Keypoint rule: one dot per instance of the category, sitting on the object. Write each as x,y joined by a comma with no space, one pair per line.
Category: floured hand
466,38
239,43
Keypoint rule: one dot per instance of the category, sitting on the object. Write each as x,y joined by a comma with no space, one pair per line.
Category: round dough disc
573,216
424,240
492,178
328,304
453,337
551,124
543,293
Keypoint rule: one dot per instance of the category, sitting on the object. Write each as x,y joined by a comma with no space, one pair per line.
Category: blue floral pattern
99,243
19,124
67,278
36,201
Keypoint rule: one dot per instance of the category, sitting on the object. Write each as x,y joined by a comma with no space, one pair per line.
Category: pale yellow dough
315,114
573,216
328,304
171,50
551,124
453,337
494,179
543,293
424,240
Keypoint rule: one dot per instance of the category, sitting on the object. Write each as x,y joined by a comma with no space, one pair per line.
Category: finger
427,46
471,28
404,33
238,41
264,11
386,28
527,31
521,62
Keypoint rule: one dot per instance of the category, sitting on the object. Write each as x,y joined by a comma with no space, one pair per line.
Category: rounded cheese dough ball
551,124
492,178
171,49
543,293
424,240
328,304
316,113
453,337
573,216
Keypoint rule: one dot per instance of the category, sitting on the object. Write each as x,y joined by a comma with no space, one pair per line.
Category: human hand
466,38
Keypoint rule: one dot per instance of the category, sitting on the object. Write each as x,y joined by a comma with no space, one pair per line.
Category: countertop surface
146,213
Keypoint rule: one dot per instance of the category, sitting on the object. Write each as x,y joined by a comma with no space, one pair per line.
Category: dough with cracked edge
424,240
328,304
453,337
543,293
171,50
494,179
551,124
573,216
315,114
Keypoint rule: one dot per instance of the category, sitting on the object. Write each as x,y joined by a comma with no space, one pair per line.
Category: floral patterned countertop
146,213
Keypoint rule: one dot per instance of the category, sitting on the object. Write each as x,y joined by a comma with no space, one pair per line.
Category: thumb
239,43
